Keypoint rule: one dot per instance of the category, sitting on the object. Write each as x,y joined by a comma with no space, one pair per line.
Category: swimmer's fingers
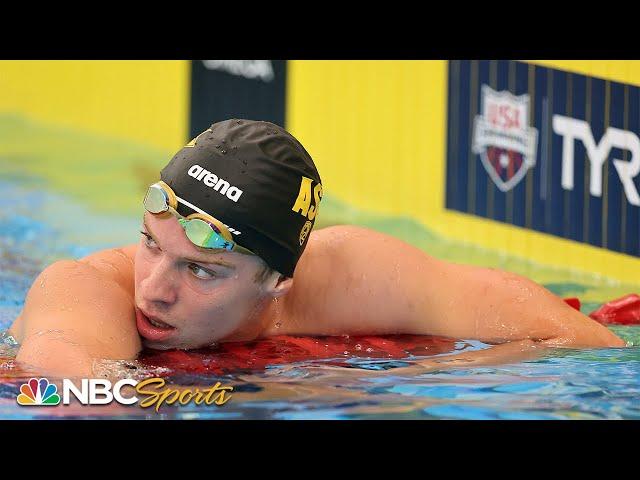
510,352
591,336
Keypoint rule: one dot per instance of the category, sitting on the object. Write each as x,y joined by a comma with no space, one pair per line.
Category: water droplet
369,349
42,283
358,346
224,152
278,325
346,352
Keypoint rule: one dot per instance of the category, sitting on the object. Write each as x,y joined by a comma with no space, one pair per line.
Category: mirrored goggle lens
203,235
156,200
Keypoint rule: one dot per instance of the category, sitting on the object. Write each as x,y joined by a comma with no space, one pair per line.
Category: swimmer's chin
174,346
155,346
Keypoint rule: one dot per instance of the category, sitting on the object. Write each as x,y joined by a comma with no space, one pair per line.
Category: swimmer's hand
495,307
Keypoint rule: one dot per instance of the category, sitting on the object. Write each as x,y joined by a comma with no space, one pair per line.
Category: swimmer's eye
200,272
148,240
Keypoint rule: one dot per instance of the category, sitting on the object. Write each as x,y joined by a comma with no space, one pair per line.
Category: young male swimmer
226,253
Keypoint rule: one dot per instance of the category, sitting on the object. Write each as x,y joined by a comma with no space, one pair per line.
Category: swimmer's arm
75,313
511,352
375,284
496,307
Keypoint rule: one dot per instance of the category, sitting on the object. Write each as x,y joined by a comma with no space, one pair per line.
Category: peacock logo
38,392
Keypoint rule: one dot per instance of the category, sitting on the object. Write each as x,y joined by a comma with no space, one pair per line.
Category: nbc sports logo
98,391
38,392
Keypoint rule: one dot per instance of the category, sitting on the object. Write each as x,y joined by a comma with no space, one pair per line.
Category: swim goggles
202,229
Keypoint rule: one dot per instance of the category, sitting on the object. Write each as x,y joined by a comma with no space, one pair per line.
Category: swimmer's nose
158,289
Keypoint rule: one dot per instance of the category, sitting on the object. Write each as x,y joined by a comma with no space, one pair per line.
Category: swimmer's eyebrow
207,259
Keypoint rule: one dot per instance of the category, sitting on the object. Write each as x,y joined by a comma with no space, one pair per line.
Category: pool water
39,226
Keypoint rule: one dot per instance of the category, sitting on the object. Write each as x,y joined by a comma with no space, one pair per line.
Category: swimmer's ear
278,284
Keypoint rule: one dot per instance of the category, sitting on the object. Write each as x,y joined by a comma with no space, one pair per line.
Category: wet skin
164,292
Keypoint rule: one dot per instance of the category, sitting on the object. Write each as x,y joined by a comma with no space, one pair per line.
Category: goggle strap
193,207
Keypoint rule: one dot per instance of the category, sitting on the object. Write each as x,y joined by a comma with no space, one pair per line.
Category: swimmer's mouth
158,323
152,328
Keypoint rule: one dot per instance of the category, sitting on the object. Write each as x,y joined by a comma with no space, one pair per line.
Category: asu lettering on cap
220,185
303,204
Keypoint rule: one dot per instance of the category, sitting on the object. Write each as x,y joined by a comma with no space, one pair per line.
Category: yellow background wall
377,131
144,101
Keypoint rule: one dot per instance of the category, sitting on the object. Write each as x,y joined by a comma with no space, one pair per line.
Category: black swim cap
257,179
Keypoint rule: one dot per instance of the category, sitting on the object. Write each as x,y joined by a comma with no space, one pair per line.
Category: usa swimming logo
38,393
502,138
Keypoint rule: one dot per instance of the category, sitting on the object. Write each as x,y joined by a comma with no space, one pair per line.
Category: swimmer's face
194,296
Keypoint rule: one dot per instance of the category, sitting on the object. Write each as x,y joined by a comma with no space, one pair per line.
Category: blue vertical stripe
544,134
616,119
520,190
580,161
597,130
499,197
481,173
555,192
453,146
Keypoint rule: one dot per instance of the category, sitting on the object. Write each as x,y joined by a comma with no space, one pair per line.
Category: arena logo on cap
220,185
502,138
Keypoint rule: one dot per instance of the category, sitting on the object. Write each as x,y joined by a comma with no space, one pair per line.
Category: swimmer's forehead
199,254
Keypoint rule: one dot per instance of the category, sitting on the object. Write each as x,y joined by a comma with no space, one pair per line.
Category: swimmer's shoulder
116,264
331,250
338,235
73,306
350,240
344,233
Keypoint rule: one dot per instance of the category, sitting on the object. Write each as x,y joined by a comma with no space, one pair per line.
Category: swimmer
227,252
